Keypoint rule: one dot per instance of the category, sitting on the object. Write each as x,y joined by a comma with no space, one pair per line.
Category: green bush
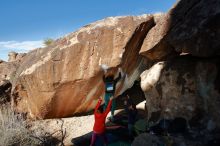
48,41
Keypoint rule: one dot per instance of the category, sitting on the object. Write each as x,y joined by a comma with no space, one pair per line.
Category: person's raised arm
98,104
108,106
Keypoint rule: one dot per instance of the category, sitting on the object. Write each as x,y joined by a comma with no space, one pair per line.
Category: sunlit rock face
65,78
7,70
178,85
7,73
185,87
13,56
191,26
1,61
155,47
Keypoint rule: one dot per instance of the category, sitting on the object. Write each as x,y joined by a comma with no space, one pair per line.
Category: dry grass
55,138
13,129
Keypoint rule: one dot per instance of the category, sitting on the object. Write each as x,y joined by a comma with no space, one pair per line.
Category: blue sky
25,23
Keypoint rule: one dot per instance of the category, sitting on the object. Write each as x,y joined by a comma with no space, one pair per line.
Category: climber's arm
108,107
98,104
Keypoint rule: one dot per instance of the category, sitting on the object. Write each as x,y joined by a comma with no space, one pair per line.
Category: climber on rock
110,86
100,117
131,111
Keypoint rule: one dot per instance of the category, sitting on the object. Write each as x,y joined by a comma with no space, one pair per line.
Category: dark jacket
132,113
110,80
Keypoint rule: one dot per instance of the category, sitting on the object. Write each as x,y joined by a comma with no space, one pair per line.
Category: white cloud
24,45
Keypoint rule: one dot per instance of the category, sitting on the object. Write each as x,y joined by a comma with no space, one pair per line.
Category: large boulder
155,47
1,61
65,78
191,26
7,70
13,56
146,139
5,89
185,87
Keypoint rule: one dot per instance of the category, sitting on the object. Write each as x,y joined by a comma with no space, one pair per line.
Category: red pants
94,137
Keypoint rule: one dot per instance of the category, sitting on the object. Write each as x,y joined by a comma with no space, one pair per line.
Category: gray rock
146,139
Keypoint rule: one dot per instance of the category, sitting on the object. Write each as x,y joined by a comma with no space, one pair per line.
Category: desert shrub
4,98
48,41
55,138
13,129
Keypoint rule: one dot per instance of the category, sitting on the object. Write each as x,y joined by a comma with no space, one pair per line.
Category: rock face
5,89
13,56
8,69
146,139
7,72
65,78
191,26
1,61
185,87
